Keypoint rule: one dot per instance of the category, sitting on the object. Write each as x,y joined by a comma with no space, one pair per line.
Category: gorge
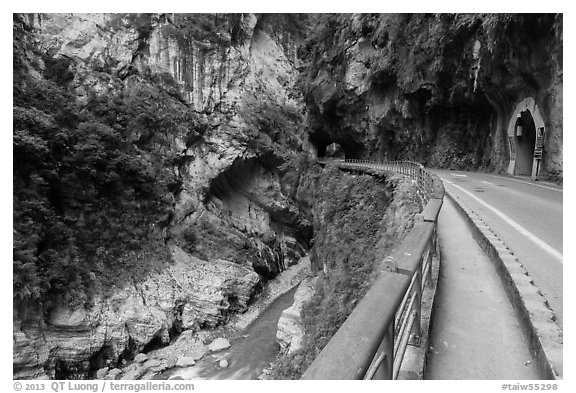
165,174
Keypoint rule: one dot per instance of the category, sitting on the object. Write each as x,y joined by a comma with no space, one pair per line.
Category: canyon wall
206,100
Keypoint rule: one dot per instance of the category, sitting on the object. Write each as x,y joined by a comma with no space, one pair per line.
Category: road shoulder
544,336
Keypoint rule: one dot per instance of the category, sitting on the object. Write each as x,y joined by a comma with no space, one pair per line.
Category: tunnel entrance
339,145
526,139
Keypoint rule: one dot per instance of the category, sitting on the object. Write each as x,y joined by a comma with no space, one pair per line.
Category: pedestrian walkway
475,332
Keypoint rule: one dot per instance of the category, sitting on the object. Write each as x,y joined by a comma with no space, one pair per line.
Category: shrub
91,185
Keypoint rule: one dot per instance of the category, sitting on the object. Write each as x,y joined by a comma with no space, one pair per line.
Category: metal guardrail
412,169
372,341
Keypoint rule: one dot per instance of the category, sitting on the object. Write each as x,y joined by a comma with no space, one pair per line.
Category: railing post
435,240
430,254
416,333
385,355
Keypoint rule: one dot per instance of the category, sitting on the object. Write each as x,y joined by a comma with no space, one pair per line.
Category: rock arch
526,131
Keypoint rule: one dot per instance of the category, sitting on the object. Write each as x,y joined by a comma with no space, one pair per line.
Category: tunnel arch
525,126
325,144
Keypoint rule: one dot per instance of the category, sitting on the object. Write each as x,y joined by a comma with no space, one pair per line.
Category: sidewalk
475,333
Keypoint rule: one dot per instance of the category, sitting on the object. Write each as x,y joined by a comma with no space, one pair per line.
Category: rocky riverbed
241,349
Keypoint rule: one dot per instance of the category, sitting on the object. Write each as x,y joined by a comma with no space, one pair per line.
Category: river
248,355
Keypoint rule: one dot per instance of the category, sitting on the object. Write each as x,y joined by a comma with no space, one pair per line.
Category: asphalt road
527,216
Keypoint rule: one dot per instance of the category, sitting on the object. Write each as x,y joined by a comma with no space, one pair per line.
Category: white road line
487,182
527,182
513,224
513,179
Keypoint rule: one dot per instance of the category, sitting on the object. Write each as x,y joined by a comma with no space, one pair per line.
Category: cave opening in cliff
270,230
525,143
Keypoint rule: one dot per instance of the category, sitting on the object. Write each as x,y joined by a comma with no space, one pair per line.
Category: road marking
458,175
513,224
527,182
487,182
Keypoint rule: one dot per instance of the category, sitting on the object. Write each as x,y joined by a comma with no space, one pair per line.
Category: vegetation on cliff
92,184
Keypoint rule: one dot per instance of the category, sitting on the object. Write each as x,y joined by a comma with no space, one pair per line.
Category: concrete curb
537,320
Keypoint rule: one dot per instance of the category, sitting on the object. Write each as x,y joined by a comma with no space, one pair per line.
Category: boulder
185,361
114,372
198,352
223,363
158,369
219,344
140,358
132,367
151,363
171,361
100,374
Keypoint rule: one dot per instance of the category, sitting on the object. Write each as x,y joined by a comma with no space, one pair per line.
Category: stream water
248,355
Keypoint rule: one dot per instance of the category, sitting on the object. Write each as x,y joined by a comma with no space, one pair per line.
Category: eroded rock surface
189,294
290,333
